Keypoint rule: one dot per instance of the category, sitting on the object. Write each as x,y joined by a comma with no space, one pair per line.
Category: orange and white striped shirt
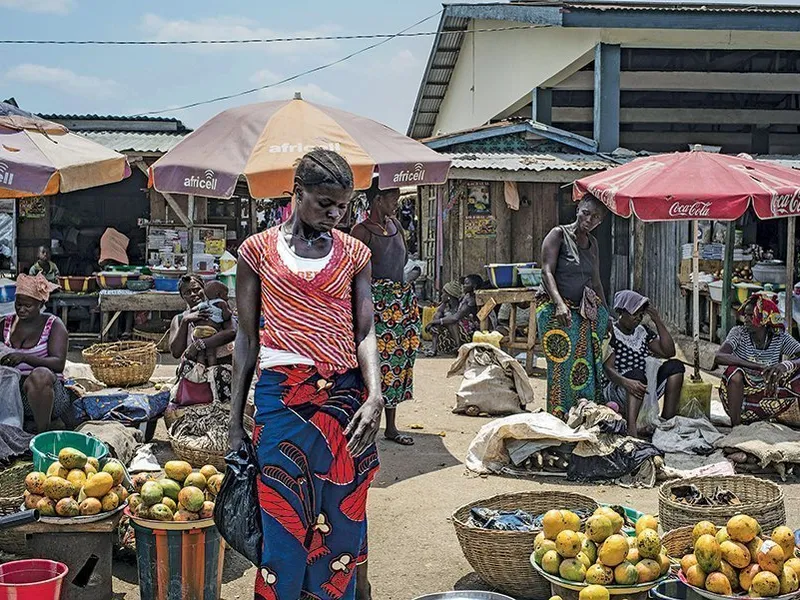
312,318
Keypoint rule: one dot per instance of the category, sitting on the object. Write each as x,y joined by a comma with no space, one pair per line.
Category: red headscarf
766,312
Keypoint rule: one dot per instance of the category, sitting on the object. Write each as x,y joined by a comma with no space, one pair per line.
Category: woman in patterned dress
758,384
318,397
573,318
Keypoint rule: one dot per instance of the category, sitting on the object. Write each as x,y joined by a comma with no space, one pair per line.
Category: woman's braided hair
324,167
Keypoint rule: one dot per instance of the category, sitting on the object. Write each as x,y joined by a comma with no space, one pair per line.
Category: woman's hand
364,426
635,388
563,314
772,376
652,312
236,435
12,359
193,316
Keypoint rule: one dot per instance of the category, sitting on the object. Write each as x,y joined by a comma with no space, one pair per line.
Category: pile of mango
75,485
600,555
181,495
735,558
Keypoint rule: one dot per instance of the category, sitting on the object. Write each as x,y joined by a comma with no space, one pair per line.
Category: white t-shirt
307,268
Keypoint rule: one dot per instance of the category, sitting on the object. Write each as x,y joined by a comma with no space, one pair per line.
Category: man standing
397,319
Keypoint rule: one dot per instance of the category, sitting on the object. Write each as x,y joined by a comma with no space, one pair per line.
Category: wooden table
136,302
714,311
63,301
491,298
85,548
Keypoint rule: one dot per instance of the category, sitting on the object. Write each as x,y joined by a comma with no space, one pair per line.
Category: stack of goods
181,495
600,554
75,486
735,558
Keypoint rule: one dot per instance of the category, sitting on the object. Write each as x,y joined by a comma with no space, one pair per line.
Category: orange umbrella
263,142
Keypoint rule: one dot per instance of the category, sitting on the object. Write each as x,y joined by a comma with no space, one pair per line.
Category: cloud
60,7
310,91
404,61
64,80
234,28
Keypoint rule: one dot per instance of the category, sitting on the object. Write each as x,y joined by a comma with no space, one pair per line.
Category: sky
125,80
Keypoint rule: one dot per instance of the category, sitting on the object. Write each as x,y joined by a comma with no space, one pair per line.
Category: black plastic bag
237,513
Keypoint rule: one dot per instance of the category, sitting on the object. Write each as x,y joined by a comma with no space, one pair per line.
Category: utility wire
292,77
320,38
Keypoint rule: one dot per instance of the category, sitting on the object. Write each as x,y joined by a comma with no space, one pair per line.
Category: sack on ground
11,412
494,383
237,513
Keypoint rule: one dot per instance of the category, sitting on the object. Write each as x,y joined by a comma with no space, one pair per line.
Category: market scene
503,304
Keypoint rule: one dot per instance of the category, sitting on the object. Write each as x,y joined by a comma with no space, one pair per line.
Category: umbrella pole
696,297
788,304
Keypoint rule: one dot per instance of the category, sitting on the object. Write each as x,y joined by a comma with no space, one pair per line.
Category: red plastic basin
34,579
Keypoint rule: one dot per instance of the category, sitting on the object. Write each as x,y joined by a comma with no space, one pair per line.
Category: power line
320,38
292,77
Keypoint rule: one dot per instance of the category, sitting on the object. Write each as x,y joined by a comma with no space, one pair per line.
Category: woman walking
397,320
573,318
318,397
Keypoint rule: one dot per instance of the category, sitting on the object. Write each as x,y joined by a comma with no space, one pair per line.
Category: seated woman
198,353
456,318
756,385
38,344
630,365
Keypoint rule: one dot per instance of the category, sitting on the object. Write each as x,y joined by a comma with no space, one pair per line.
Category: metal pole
727,275
190,237
696,298
789,293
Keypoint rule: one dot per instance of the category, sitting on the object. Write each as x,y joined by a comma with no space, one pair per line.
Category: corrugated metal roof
550,161
134,141
706,8
111,118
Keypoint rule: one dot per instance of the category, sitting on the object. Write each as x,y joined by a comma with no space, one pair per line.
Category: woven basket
197,457
761,499
12,488
678,543
122,364
161,340
503,558
12,479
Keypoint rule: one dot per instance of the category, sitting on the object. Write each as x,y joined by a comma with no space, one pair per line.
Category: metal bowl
465,595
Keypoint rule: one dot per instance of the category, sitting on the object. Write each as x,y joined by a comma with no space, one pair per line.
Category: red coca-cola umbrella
695,185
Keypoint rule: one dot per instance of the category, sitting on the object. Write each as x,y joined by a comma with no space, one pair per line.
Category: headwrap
766,312
36,287
454,289
114,246
629,301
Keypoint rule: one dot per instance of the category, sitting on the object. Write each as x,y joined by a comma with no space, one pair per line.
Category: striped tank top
40,350
312,318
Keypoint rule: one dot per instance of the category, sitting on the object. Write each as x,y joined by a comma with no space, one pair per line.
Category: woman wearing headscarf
762,378
640,361
573,318
37,346
318,400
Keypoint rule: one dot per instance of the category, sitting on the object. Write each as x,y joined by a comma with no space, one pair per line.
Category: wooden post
789,302
727,276
638,255
190,237
696,297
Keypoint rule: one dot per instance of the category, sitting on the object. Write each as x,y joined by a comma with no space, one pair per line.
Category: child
216,305
45,266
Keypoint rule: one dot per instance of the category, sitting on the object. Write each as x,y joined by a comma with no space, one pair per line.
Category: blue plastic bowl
8,293
502,275
166,284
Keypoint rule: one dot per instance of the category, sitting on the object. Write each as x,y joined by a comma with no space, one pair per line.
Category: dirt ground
413,547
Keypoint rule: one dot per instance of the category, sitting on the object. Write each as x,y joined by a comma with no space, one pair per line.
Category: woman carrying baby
202,337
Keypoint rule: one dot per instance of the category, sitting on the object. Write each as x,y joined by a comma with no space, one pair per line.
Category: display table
85,548
114,302
714,309
491,298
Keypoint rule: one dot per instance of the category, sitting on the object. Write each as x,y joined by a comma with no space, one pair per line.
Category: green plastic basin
46,446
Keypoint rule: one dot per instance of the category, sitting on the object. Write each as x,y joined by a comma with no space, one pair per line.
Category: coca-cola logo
784,204
694,211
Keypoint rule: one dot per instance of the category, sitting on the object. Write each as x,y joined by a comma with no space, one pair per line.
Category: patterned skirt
757,405
574,357
312,491
397,327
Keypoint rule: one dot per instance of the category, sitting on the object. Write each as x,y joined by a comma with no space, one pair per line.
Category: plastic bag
649,417
11,412
237,513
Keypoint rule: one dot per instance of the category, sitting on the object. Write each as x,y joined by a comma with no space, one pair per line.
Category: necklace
383,229
310,241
